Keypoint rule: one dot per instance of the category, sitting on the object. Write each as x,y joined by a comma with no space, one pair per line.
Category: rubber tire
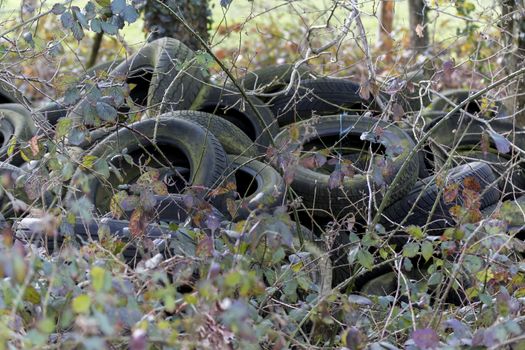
410,101
498,164
15,121
233,140
10,94
81,232
459,95
233,107
272,79
311,185
190,138
398,211
170,88
324,96
472,131
424,170
269,186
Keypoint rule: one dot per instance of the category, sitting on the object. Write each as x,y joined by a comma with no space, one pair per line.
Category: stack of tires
288,139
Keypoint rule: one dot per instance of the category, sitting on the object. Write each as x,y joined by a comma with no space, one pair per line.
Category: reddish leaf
448,68
205,247
451,192
336,179
355,339
33,143
425,338
397,111
471,199
188,201
364,89
308,162
289,174
138,223
472,184
138,340
212,222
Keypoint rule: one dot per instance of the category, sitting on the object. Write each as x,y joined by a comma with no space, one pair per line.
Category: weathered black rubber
398,211
15,121
313,186
166,242
272,79
174,77
189,145
233,139
259,185
231,105
324,96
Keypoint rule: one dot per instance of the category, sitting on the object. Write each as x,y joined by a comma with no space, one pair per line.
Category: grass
304,14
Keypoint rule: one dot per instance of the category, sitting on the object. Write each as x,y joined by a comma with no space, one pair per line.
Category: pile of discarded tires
283,139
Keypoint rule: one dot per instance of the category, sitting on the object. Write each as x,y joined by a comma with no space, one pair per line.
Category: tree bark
520,56
160,22
386,24
512,26
418,24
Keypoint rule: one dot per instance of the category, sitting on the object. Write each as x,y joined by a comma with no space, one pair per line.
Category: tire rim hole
246,183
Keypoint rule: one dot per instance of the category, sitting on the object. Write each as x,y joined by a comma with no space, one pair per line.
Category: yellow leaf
31,295
81,304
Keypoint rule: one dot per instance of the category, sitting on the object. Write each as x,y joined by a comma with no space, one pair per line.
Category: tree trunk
512,26
386,24
418,24
520,56
160,21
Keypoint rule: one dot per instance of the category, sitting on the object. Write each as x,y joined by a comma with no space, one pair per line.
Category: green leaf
58,9
118,6
12,146
415,231
366,259
106,112
96,25
76,136
63,127
67,20
46,325
435,279
31,295
473,264
410,250
129,14
97,278
81,304
71,96
427,249
88,161
102,167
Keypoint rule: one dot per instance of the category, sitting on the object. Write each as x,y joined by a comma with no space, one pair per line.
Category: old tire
15,122
233,140
259,186
324,96
399,211
232,106
271,79
183,142
174,78
314,186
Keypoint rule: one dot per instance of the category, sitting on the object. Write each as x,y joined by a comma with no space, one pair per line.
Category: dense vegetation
92,256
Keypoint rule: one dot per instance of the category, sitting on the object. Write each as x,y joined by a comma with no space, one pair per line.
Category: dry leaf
33,143
419,30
